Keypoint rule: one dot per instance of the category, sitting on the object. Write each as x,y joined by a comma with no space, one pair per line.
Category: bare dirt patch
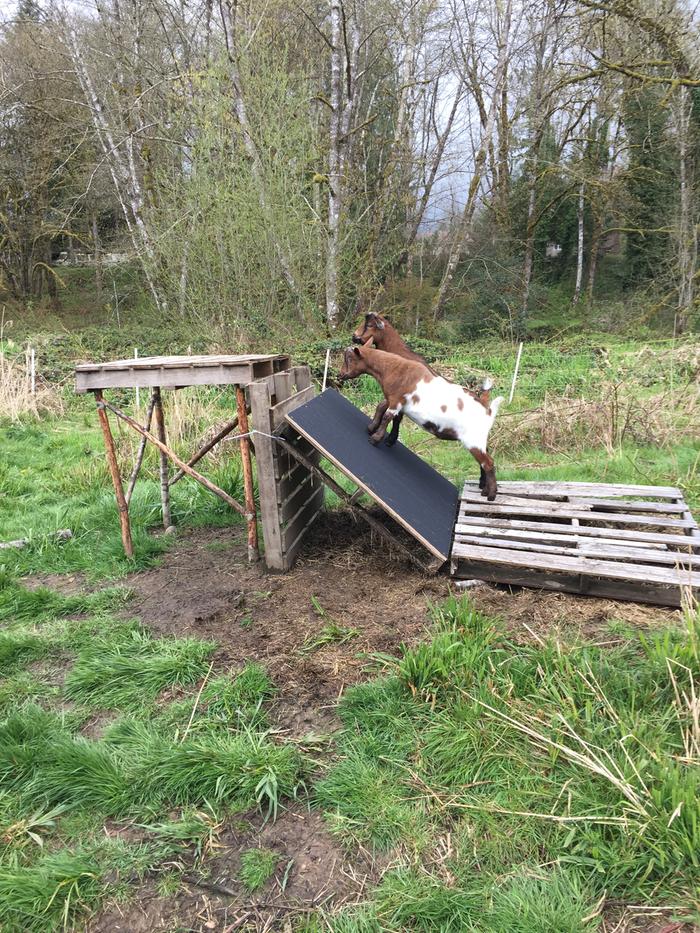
205,588
312,870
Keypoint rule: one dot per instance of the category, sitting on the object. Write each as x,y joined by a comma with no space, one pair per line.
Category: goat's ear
356,351
380,323
370,344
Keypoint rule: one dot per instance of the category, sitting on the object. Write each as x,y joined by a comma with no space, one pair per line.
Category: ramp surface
411,491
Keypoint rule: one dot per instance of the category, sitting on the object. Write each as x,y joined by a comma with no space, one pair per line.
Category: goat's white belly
437,403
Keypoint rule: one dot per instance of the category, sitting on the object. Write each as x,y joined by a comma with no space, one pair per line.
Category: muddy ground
205,588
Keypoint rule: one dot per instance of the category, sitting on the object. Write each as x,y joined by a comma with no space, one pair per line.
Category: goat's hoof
391,441
374,441
492,495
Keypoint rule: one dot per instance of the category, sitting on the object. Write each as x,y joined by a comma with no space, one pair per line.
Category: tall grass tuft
124,673
47,894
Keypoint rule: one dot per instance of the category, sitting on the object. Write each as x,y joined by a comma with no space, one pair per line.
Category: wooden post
160,433
116,477
251,515
267,484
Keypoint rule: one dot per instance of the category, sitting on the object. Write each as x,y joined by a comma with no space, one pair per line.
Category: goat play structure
620,541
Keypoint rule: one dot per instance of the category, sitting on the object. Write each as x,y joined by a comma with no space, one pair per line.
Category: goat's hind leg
489,488
394,433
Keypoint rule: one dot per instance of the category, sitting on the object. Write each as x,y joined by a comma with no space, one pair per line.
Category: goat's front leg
488,473
394,433
378,415
378,436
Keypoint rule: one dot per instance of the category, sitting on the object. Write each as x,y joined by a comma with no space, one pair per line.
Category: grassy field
501,785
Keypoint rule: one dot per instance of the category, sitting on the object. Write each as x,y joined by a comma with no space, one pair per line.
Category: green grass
257,867
124,674
36,499
559,774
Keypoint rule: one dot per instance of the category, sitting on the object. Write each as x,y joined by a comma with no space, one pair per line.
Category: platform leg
115,474
160,434
251,515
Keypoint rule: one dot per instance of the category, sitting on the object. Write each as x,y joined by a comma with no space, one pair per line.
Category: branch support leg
160,433
116,476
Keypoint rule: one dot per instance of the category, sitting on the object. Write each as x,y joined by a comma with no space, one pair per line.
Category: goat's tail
486,384
496,404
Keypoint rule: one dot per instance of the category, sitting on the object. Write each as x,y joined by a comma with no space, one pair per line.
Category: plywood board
406,487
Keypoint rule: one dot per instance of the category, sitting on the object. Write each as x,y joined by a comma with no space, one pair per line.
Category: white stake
138,394
33,369
515,374
325,371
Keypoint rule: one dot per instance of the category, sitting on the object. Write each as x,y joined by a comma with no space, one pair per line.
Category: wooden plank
165,377
289,481
590,504
302,377
606,490
597,568
283,386
655,594
290,504
570,537
627,505
563,510
265,457
590,549
465,521
281,409
147,362
295,546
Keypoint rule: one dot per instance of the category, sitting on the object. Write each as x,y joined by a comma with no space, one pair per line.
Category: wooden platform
638,543
172,372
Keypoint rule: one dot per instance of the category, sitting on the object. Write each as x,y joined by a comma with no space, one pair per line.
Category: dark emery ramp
411,491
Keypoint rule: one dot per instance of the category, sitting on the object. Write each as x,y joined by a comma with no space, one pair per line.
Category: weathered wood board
172,372
629,542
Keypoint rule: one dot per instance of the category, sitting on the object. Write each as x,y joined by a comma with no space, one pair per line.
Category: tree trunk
593,257
579,251
687,235
528,260
334,178
97,249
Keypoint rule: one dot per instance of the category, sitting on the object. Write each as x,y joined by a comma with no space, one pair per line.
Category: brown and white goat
377,331
445,409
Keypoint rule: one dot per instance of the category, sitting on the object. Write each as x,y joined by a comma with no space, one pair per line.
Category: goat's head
354,364
372,328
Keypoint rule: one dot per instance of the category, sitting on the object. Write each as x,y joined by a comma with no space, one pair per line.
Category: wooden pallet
639,543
